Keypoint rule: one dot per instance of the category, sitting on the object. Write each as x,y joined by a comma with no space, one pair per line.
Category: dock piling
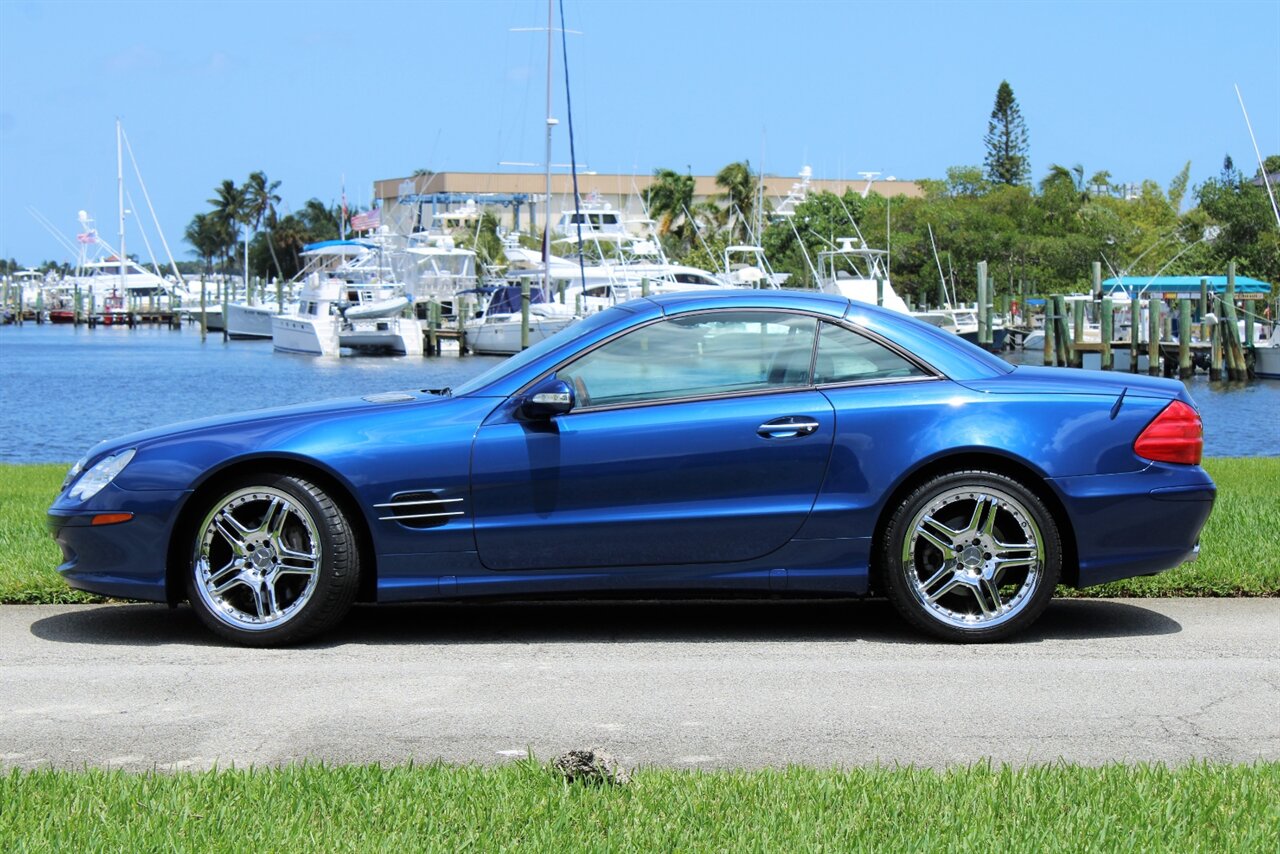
524,312
1185,368
1108,321
1154,309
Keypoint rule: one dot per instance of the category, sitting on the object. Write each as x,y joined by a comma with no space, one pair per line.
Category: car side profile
753,441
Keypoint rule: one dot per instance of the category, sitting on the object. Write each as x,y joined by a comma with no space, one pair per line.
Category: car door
694,439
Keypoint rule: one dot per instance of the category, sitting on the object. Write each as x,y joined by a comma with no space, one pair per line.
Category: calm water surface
63,389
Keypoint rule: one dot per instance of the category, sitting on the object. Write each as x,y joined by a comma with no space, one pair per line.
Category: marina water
64,388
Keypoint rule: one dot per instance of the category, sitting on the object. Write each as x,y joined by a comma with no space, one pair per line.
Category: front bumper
126,560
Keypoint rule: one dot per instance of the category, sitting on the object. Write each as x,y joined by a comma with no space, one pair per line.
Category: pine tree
1007,160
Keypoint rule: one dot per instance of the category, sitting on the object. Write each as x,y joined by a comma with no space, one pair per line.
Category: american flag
88,237
367,220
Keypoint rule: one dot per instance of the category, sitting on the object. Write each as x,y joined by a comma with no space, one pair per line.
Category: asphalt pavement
692,684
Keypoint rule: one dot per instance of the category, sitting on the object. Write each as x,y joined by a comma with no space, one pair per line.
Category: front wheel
971,556
274,561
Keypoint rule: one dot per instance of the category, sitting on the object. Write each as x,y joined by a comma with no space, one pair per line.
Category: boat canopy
338,247
1175,286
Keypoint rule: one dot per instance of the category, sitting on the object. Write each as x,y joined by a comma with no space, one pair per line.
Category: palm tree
739,187
291,236
203,235
230,212
1070,179
669,199
323,222
260,203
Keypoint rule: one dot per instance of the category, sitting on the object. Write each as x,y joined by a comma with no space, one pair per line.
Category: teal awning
1184,285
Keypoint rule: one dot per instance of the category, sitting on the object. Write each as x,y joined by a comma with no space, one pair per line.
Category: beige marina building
517,198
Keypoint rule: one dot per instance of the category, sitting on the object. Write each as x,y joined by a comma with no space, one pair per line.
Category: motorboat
343,304
498,330
856,271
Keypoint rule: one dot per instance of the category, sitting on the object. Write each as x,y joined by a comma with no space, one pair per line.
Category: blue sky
314,91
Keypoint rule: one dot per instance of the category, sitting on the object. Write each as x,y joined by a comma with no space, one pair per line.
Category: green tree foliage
231,213
208,236
667,200
484,241
793,243
738,199
1247,232
260,200
1008,160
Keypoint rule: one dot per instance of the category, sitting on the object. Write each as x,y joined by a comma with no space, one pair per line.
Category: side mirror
547,399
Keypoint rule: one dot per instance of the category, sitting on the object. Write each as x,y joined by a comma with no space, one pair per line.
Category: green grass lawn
1240,553
1198,807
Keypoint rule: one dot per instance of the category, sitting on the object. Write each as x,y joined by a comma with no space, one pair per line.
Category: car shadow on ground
609,621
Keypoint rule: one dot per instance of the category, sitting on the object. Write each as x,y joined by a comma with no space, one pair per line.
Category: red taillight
1175,436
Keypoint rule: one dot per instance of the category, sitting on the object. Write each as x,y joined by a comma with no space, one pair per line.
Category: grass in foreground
1198,807
1240,546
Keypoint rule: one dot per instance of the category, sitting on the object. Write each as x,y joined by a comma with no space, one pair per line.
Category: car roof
833,305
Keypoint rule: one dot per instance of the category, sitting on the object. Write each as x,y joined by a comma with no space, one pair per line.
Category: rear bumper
1136,523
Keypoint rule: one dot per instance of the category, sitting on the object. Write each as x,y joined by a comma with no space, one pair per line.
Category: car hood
312,410
1028,379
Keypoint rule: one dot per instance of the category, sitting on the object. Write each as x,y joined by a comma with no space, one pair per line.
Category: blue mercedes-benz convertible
775,442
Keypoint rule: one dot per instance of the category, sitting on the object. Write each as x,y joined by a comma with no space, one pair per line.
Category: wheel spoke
944,572
258,603
988,596
219,589
943,590
218,574
946,546
232,531
989,525
272,602
273,520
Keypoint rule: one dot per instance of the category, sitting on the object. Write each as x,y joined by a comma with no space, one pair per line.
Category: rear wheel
274,561
971,556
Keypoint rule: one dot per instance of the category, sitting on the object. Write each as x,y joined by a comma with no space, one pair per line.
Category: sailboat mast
120,203
551,122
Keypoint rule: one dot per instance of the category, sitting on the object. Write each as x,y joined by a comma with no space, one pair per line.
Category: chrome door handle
788,427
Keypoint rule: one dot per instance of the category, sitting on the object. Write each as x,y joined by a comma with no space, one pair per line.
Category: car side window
717,352
846,356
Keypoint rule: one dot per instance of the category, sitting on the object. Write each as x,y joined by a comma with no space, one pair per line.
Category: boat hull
399,336
1266,362
501,336
311,336
247,322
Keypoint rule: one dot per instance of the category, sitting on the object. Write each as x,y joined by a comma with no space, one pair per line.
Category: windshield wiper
439,392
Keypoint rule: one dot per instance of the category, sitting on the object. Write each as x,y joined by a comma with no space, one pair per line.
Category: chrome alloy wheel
974,557
258,558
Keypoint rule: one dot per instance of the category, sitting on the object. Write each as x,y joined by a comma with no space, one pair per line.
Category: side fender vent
420,509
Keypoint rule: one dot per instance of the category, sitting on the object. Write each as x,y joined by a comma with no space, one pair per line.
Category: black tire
274,561
980,587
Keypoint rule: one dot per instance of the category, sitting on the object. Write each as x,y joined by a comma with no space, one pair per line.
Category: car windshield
537,351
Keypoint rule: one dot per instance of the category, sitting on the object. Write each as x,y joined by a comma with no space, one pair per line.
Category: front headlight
99,475
75,472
